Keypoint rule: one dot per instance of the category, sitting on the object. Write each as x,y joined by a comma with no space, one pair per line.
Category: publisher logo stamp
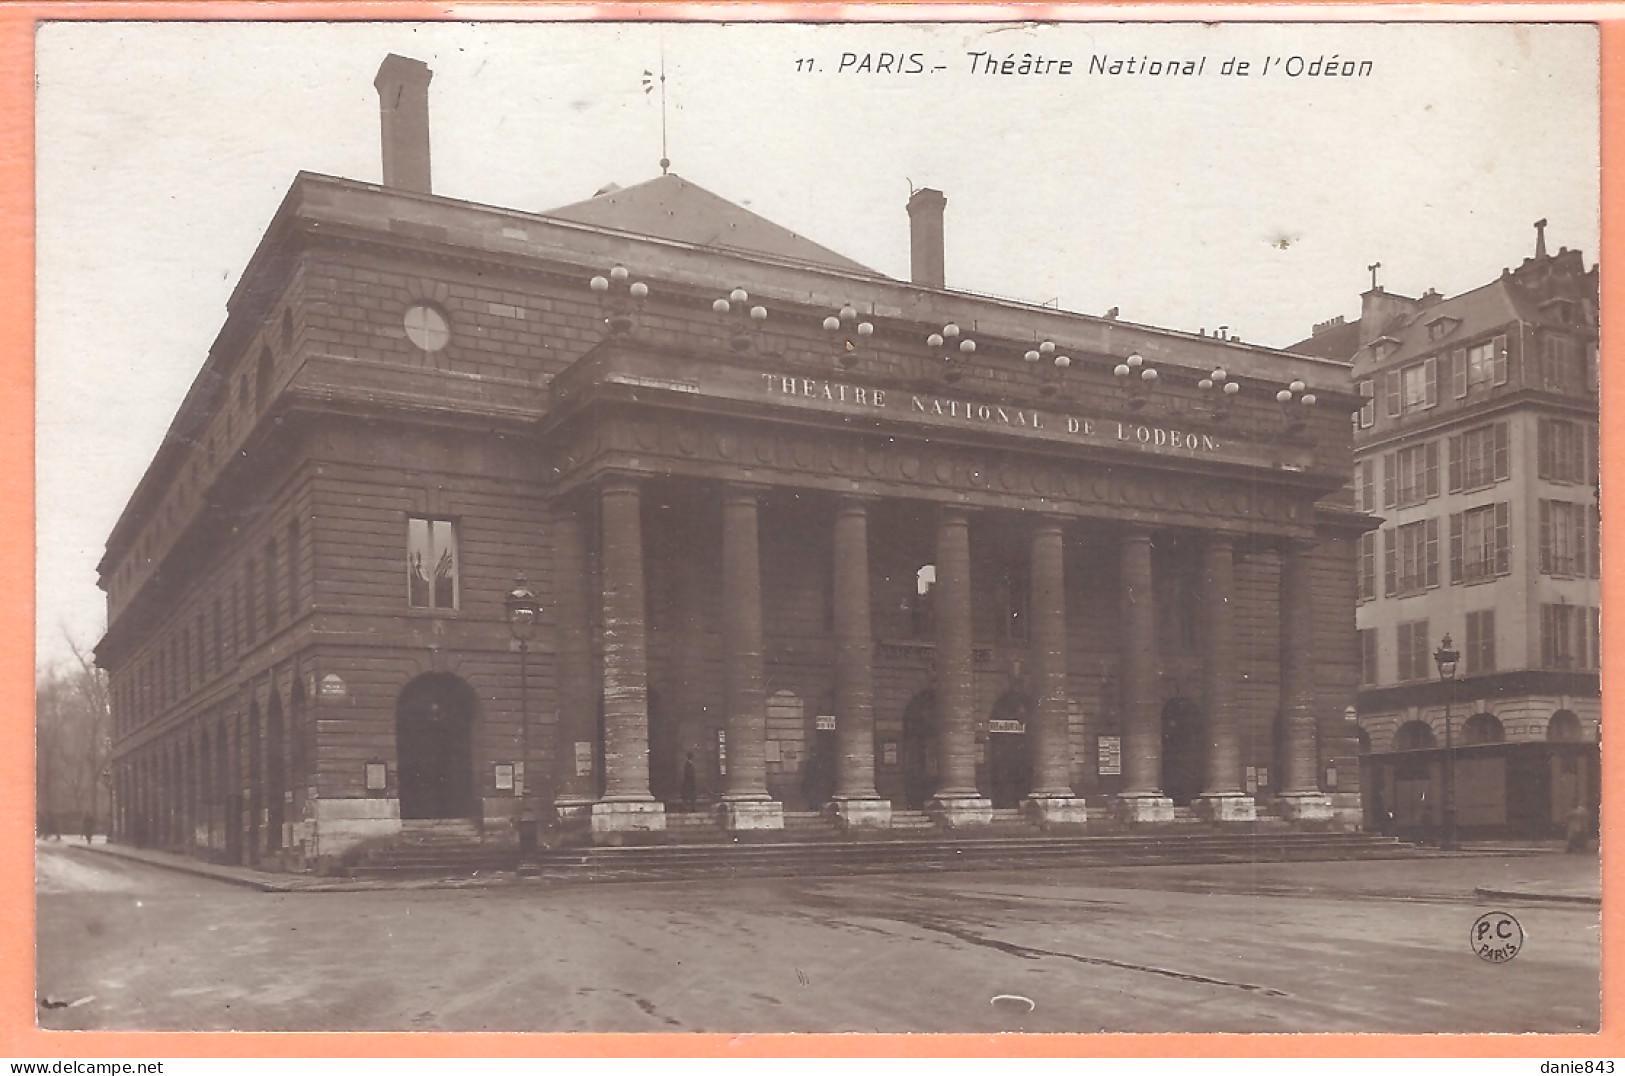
1496,937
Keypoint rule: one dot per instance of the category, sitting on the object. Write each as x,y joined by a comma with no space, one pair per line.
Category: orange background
18,1036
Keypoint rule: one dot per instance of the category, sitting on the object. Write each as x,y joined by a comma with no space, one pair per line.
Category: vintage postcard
683,528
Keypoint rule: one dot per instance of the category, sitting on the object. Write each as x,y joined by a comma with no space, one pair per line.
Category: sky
1254,201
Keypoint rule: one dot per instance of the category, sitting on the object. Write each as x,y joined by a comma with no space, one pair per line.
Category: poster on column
765,429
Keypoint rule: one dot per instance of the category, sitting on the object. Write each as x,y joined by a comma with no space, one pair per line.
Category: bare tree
73,742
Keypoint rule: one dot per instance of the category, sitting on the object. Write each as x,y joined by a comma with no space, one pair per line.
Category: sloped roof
1485,308
670,207
1339,341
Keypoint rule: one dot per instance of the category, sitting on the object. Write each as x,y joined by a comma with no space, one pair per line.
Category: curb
1547,898
182,866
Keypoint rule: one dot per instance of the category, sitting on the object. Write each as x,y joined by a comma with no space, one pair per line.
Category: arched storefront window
1482,728
1414,736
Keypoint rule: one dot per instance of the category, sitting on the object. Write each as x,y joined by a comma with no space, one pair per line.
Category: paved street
1370,946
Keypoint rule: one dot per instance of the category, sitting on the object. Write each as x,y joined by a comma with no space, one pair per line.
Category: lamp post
1447,658
523,610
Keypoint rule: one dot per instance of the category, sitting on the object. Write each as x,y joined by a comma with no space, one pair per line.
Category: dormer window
1439,328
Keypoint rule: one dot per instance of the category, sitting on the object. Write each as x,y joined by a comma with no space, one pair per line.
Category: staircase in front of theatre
695,846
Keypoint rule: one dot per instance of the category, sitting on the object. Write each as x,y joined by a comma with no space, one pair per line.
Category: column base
1057,810
750,814
628,816
1304,806
573,810
1226,807
1143,807
865,813
957,811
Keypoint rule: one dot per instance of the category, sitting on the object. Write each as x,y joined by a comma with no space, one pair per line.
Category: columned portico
1052,799
856,803
575,775
626,803
1222,799
1300,796
746,803
1141,799
956,801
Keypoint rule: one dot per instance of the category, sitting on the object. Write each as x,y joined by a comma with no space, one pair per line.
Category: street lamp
523,611
1447,659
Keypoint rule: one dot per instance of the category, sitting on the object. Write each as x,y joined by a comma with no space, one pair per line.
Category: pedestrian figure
689,782
90,828
1578,826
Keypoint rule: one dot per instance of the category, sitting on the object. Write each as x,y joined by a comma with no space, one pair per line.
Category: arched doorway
1564,727
256,778
434,747
1482,728
1009,755
1183,741
920,749
276,772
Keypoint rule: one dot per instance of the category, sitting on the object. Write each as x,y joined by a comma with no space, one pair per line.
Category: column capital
847,503
953,515
739,491
1216,540
1133,533
620,482
1046,521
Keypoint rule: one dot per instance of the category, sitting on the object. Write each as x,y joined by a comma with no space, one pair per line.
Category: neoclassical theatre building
476,512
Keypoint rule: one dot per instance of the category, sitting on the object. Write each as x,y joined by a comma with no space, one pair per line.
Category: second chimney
925,237
403,110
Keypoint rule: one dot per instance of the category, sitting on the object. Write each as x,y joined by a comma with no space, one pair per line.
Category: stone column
856,803
1052,800
1141,799
577,719
1222,799
1300,796
956,801
626,804
746,803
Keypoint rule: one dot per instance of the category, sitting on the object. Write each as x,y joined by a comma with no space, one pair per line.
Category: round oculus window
426,327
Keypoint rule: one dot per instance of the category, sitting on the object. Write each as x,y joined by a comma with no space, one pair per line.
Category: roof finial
1540,238
648,87
1373,267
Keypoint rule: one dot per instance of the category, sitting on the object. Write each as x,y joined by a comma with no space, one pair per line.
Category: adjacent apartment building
1476,443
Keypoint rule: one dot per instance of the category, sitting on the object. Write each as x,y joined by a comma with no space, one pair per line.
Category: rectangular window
1366,567
251,603
1480,543
1416,556
1413,650
1416,473
1480,457
219,632
1365,485
1564,542
1595,619
1480,651
273,587
1390,392
1561,451
431,563
1419,385
1487,363
1558,636
1562,363
292,571
1368,404
1368,656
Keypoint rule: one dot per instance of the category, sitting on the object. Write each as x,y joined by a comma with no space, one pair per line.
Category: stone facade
861,570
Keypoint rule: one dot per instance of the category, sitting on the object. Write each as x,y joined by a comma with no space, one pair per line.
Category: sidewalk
275,881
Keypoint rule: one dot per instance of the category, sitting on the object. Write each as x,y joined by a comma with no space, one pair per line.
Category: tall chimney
403,110
925,237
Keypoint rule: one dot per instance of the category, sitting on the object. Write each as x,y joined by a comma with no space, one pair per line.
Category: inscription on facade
972,411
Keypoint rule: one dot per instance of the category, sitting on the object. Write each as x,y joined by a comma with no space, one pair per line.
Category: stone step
604,864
